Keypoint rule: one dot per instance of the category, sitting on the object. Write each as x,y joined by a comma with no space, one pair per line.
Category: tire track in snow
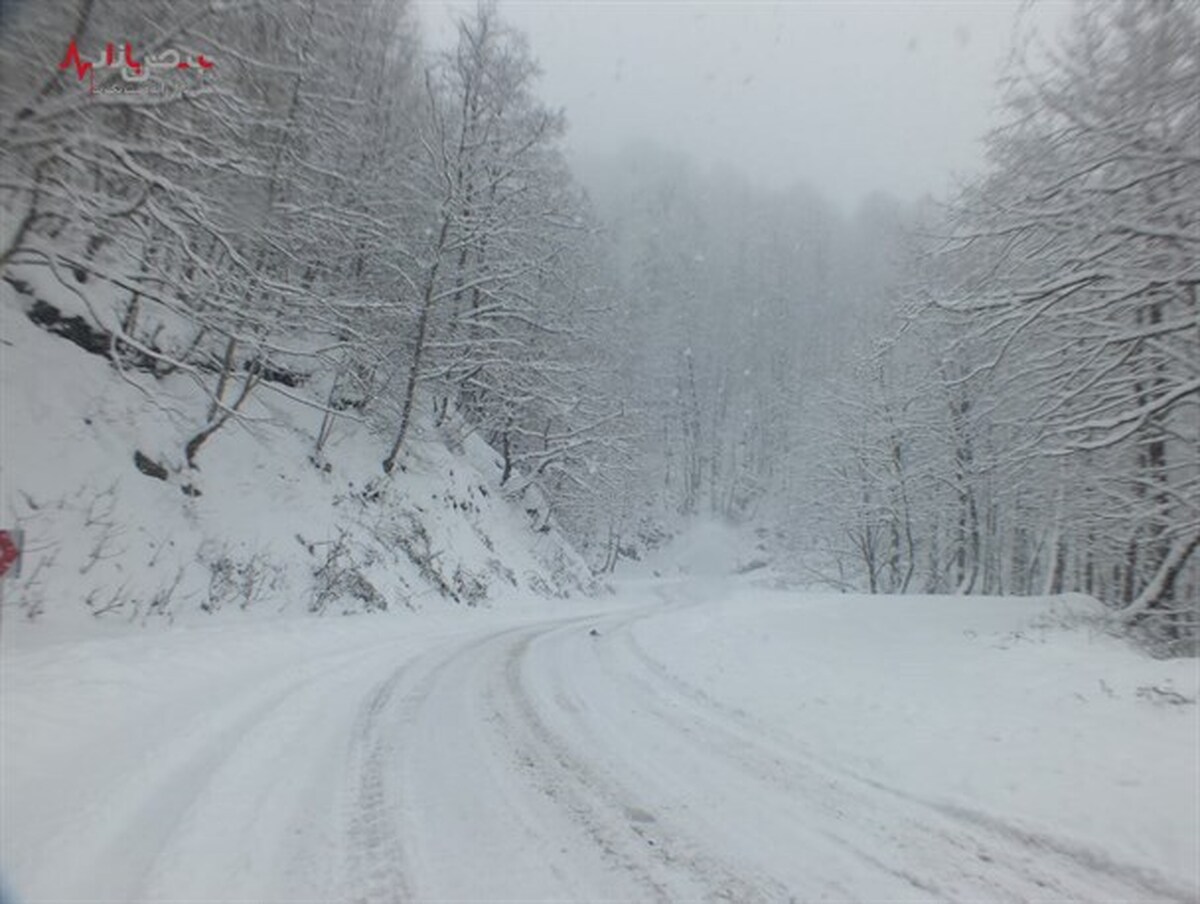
386,863
667,860
463,712
566,781
378,868
138,822
991,856
673,797
376,857
559,777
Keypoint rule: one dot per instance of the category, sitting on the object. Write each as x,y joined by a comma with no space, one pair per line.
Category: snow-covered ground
697,738
260,525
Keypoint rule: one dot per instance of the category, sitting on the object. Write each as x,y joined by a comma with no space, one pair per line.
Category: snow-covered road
669,748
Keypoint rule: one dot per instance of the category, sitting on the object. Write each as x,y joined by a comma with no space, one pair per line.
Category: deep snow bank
257,526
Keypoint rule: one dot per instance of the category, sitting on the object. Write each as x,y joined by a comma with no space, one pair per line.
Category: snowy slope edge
256,527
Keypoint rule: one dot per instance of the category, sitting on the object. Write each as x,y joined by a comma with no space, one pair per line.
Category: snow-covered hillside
259,525
695,739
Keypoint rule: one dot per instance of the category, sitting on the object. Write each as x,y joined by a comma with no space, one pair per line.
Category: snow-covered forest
709,537
994,392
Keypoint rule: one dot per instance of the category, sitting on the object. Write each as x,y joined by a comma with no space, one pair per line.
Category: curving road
542,758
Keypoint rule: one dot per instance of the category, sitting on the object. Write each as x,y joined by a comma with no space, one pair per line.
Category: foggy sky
847,97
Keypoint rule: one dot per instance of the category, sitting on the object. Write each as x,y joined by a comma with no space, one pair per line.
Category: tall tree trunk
414,371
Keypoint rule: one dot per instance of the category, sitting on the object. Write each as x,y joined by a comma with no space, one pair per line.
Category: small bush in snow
234,582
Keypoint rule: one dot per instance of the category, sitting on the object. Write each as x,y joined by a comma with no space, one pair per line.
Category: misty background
847,98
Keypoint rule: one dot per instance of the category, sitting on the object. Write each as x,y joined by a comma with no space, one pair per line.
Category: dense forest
993,393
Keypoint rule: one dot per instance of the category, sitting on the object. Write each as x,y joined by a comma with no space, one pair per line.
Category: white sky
845,96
